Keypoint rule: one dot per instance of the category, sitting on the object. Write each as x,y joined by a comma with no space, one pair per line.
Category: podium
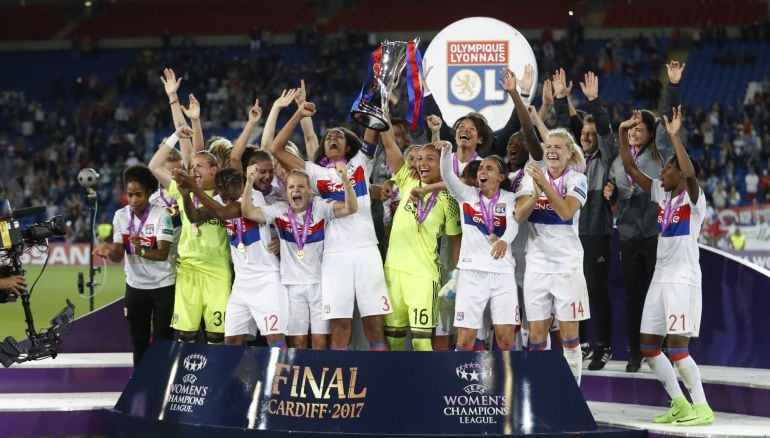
193,389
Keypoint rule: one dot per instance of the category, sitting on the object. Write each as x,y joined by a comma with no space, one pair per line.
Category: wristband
171,141
174,101
524,94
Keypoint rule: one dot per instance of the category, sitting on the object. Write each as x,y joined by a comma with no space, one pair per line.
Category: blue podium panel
400,393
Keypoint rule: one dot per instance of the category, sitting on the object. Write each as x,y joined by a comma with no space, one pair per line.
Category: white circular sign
465,60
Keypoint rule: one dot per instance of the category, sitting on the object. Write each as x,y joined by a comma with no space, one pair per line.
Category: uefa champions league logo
194,362
473,372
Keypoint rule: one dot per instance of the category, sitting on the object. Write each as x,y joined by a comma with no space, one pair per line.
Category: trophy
385,66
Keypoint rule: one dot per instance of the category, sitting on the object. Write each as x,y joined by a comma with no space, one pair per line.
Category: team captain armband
368,149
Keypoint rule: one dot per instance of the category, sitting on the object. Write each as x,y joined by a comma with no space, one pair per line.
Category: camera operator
142,234
12,286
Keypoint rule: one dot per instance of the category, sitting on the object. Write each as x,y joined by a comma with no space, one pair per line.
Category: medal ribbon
239,229
517,179
668,213
195,224
634,153
131,234
560,186
300,239
422,213
488,211
169,203
456,162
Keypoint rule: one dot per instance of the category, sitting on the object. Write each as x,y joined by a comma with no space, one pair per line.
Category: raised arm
541,128
278,147
248,209
311,139
629,165
268,133
392,152
453,183
685,165
434,123
513,125
350,206
606,141
157,163
171,86
674,71
547,104
561,93
255,113
193,112
533,145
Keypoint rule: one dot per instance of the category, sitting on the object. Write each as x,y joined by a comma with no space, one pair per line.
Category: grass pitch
48,297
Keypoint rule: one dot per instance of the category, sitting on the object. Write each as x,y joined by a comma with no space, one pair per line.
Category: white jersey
356,230
476,246
162,199
276,194
140,272
460,165
678,258
554,245
255,259
306,270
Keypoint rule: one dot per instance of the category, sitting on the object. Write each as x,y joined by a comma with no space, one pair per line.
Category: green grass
48,297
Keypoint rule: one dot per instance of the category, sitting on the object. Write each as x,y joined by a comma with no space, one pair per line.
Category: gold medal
301,254
241,247
493,238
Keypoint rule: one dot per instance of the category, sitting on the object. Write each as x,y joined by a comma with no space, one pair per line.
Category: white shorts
564,294
446,315
354,275
672,309
476,289
305,310
263,306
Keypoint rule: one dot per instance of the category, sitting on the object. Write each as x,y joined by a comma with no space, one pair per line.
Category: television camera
14,241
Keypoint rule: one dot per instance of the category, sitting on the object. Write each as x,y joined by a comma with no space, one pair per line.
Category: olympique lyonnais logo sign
464,74
472,71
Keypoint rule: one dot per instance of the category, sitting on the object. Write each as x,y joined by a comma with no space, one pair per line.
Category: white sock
664,371
574,358
690,374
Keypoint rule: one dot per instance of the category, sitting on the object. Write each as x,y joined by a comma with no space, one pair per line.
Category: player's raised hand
434,123
674,70
528,79
635,119
675,124
590,86
548,93
286,98
308,109
560,87
193,110
255,112
170,82
301,96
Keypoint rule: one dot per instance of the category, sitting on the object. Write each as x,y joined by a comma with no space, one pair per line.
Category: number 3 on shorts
385,304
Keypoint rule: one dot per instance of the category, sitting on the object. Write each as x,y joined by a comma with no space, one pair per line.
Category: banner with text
357,392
